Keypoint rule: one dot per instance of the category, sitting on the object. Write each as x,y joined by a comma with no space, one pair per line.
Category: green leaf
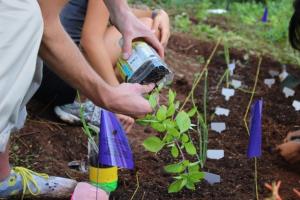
172,96
177,185
184,138
190,148
183,121
161,114
153,144
174,151
158,126
174,132
160,86
196,176
171,110
153,100
192,112
194,167
169,124
190,185
175,168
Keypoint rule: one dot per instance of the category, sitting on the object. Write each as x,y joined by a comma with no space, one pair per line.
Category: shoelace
27,178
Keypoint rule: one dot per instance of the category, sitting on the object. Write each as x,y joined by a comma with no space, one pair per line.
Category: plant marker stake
296,105
218,126
288,92
269,82
212,178
264,19
236,83
273,73
227,93
222,111
231,68
114,149
254,147
215,154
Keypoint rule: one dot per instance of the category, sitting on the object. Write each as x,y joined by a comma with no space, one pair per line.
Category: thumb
127,47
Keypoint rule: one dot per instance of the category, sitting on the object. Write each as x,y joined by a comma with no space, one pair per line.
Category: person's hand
132,28
161,22
290,151
297,192
128,99
126,121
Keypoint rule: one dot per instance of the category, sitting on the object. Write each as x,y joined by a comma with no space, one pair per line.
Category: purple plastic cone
114,149
254,147
265,16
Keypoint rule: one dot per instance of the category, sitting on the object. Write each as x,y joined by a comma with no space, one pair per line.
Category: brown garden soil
47,145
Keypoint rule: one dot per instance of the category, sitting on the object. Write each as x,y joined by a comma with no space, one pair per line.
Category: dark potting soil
47,145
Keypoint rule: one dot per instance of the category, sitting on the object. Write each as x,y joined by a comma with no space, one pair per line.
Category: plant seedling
274,188
236,84
218,126
222,111
296,105
215,154
212,178
269,82
288,92
227,93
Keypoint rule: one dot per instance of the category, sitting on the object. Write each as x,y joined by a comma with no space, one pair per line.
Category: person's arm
131,27
64,57
92,41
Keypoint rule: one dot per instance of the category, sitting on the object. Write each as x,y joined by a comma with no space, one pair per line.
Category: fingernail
125,56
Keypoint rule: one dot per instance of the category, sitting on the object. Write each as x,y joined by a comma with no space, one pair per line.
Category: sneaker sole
72,119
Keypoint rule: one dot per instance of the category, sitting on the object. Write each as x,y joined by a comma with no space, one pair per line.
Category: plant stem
180,150
252,95
200,75
137,186
256,178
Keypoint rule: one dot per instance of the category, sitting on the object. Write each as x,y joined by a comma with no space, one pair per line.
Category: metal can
144,66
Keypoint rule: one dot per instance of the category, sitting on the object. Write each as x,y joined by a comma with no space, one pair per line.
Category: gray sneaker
23,182
70,113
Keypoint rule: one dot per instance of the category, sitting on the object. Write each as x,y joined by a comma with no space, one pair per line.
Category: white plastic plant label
219,127
231,68
222,111
212,178
296,105
227,93
236,83
215,154
273,73
288,92
283,75
269,82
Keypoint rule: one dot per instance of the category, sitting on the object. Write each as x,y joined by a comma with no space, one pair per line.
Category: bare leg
4,164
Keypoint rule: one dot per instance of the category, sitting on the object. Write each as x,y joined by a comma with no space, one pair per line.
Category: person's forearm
62,55
96,54
117,9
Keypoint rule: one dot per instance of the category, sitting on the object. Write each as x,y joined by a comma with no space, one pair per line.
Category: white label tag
296,105
227,93
288,92
215,154
283,76
212,178
222,111
219,127
231,68
269,82
273,73
236,83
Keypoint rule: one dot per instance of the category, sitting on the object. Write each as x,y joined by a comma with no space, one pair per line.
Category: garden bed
47,145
